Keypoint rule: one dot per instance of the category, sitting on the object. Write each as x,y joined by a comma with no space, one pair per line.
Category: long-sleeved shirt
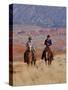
30,44
48,42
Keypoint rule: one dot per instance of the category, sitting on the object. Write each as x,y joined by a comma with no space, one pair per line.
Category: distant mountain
44,16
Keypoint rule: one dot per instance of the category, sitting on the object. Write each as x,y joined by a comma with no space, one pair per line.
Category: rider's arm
45,43
50,42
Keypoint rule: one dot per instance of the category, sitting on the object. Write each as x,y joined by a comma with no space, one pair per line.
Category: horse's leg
49,62
31,62
27,62
50,58
43,54
45,61
34,62
26,56
29,58
33,58
46,58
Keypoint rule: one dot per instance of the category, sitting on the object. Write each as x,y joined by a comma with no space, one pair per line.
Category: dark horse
29,56
47,55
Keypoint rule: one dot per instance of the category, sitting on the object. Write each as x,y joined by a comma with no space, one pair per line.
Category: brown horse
29,56
47,55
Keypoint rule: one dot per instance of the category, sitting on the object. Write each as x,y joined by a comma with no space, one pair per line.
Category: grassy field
40,74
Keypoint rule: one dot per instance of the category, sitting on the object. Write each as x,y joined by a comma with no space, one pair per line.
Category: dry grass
40,74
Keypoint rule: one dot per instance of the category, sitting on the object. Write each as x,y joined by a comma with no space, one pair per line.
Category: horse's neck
30,48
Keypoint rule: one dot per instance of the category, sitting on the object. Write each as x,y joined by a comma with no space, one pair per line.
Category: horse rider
30,45
48,43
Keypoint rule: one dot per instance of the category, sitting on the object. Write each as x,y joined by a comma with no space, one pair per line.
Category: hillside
44,16
21,34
